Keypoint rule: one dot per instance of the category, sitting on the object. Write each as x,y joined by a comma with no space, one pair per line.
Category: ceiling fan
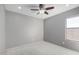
42,9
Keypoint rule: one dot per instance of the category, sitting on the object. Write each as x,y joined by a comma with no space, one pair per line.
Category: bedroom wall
22,29
2,29
73,33
54,29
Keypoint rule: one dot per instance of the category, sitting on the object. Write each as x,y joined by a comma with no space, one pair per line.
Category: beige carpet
40,48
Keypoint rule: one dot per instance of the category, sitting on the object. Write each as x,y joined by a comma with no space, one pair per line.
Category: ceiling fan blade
46,12
48,8
41,6
34,9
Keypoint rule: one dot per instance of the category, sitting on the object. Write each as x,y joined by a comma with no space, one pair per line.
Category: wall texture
72,34
54,30
22,29
2,29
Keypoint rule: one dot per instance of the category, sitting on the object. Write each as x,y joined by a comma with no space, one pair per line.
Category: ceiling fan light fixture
41,11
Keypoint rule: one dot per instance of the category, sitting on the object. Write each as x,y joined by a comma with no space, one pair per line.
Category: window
72,28
72,22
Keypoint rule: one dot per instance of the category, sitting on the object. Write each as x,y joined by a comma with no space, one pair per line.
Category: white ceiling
25,9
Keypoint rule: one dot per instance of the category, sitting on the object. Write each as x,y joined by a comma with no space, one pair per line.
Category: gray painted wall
54,29
2,29
22,29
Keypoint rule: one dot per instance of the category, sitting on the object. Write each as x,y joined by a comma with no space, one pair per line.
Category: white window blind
72,22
